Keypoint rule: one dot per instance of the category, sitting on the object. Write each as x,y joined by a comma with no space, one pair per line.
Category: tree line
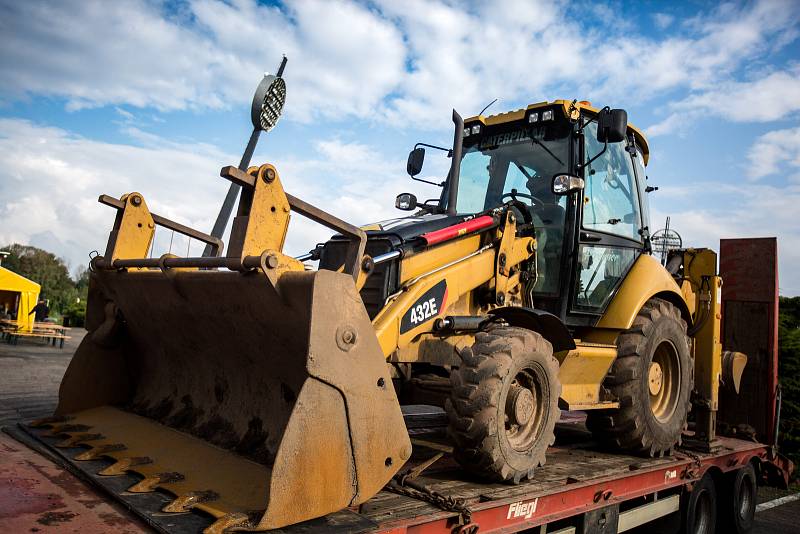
789,375
65,295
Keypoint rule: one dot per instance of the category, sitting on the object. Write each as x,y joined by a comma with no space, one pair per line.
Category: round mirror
268,103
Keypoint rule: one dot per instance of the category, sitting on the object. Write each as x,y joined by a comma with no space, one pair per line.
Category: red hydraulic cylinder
457,230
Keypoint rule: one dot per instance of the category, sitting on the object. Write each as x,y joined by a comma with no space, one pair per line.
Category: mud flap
263,405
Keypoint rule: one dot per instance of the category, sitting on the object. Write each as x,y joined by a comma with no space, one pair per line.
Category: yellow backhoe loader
264,392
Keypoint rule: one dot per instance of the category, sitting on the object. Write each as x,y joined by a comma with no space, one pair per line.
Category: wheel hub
521,405
655,378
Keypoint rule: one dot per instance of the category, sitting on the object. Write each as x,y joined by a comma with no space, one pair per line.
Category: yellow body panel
133,229
700,270
582,372
264,226
461,277
464,266
646,279
434,258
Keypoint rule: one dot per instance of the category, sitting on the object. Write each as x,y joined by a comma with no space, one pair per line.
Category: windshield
522,159
525,159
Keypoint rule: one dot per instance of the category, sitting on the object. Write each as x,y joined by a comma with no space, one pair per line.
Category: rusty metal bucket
263,405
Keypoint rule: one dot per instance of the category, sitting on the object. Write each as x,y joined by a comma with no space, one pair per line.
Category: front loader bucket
261,405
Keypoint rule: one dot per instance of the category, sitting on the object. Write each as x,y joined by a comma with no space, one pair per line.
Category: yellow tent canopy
18,296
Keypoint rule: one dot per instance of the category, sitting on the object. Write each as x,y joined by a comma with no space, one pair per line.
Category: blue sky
110,97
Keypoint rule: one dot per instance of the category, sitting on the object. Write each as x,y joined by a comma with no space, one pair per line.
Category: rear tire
737,500
699,508
652,376
503,405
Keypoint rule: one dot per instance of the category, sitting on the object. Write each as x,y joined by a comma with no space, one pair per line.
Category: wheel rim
525,412
746,501
664,381
702,509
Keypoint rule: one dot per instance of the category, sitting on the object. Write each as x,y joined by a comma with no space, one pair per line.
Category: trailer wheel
652,376
738,500
503,404
699,508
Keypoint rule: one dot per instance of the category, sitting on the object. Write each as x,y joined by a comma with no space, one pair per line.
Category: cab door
610,228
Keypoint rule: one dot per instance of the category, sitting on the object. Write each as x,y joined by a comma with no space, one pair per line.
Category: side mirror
612,124
415,159
564,184
406,201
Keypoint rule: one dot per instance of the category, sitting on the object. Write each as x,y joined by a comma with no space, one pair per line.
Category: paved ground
35,494
30,374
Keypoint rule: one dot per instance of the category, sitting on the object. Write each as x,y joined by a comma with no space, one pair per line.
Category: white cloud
50,181
736,210
207,54
350,59
466,56
663,20
773,151
768,98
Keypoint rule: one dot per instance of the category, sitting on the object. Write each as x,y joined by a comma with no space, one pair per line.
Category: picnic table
51,333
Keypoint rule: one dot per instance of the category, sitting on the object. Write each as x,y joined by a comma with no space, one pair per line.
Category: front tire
503,405
652,376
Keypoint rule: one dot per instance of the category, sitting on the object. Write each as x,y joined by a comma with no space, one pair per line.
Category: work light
268,103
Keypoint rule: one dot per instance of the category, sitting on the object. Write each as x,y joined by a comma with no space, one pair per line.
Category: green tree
47,270
789,373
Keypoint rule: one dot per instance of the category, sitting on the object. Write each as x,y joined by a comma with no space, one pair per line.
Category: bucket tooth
150,483
125,464
187,501
77,439
68,428
52,420
297,394
229,521
96,452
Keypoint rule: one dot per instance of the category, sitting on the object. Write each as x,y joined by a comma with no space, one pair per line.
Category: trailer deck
578,481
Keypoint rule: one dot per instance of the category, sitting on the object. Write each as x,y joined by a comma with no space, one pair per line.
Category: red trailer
581,489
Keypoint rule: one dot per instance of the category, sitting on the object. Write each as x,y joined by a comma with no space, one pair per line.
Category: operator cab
590,227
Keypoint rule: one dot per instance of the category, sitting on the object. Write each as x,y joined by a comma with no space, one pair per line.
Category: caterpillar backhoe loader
253,387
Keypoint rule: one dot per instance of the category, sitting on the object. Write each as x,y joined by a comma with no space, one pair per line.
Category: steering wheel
513,194
524,210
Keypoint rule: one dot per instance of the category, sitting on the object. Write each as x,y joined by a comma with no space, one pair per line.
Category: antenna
487,106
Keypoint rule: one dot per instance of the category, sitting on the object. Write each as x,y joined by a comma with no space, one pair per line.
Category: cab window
610,202
600,271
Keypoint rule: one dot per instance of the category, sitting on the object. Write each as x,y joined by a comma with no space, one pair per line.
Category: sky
138,95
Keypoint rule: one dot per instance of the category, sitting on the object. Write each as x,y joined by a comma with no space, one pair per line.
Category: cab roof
566,105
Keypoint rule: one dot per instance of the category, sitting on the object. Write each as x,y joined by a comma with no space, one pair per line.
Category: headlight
547,115
466,132
476,129
533,117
